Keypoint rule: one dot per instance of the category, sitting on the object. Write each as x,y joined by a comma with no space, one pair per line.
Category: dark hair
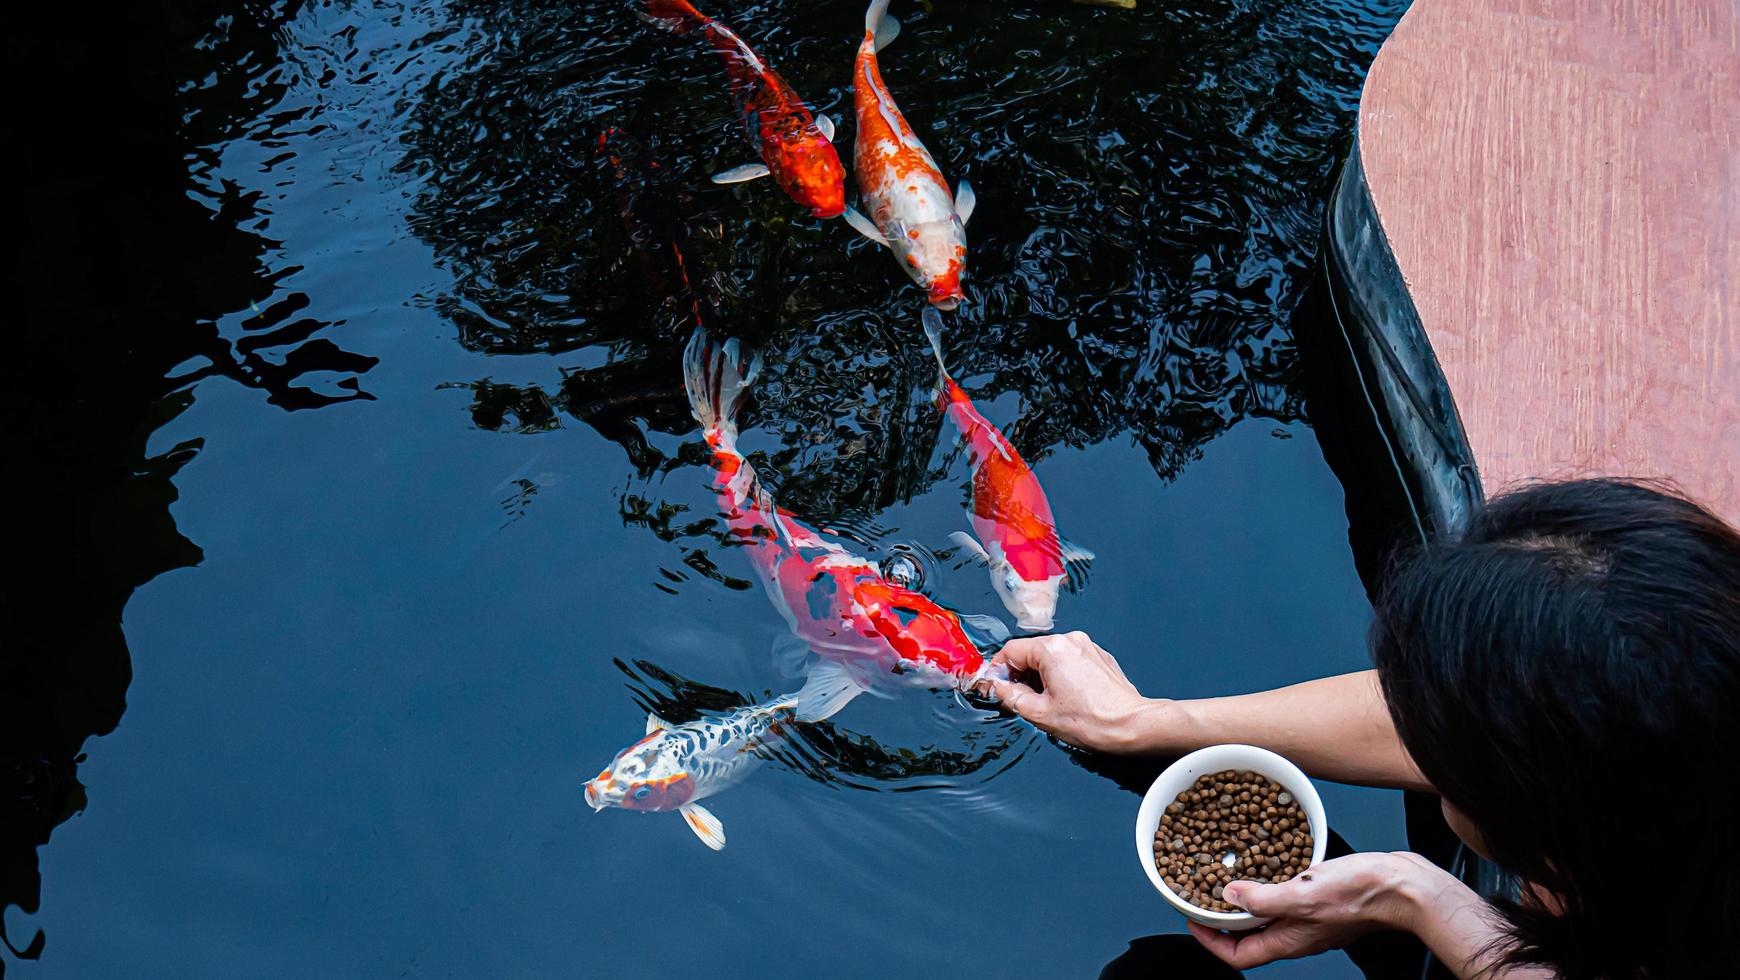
1566,672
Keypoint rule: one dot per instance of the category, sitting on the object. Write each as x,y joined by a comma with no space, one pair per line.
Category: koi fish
674,766
865,630
796,148
911,209
1017,536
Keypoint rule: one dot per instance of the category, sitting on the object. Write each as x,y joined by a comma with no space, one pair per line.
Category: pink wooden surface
1560,183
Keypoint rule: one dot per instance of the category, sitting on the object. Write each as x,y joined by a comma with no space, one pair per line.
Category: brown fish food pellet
1235,814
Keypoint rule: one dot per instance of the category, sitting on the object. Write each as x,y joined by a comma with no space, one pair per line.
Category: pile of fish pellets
1230,826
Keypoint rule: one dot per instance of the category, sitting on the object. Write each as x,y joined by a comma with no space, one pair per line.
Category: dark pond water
391,521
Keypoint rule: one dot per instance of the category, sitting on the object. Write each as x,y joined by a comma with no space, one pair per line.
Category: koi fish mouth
945,290
945,298
593,798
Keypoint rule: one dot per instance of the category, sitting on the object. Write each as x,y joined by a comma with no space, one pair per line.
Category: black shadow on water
129,254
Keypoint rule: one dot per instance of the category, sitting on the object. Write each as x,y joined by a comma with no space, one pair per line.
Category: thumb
1019,698
1268,901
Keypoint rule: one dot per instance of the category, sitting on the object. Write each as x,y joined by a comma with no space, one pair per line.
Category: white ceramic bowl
1218,758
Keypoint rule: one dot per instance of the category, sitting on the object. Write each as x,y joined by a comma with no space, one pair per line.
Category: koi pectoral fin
971,546
887,29
1076,562
864,226
830,687
789,655
704,824
826,125
993,628
965,201
743,174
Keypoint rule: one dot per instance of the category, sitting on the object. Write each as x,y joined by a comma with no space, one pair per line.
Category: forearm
1335,728
1461,929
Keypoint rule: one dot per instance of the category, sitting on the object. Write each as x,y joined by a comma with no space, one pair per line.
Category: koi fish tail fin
717,379
676,16
882,28
933,325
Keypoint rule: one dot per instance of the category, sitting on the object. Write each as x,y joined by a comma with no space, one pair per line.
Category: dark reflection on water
133,250
1149,191
217,230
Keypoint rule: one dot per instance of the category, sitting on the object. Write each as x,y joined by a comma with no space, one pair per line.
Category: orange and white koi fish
796,148
1017,535
911,209
866,631
675,766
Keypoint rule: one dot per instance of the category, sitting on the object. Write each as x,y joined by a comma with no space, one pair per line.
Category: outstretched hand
1068,686
1326,907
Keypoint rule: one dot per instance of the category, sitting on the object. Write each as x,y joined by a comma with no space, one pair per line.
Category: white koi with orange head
674,766
910,208
1016,534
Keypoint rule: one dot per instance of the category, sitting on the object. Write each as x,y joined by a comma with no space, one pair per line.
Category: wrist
1151,726
1419,893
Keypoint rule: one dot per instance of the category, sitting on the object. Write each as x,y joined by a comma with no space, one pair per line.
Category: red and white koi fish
866,631
911,209
675,766
796,148
1017,536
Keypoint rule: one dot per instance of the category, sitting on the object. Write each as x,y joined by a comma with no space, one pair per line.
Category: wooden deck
1559,182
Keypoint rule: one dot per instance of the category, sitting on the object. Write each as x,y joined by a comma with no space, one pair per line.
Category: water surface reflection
138,250
361,724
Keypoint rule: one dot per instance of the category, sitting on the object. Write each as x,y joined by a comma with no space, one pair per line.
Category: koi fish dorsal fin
655,724
704,824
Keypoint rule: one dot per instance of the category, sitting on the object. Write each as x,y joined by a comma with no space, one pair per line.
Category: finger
1223,946
1246,949
1266,946
1268,901
1025,653
1021,699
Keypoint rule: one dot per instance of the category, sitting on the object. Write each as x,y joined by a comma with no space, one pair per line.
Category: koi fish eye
1011,581
643,792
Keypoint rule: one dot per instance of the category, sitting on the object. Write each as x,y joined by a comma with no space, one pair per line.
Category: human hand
1082,695
1326,907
